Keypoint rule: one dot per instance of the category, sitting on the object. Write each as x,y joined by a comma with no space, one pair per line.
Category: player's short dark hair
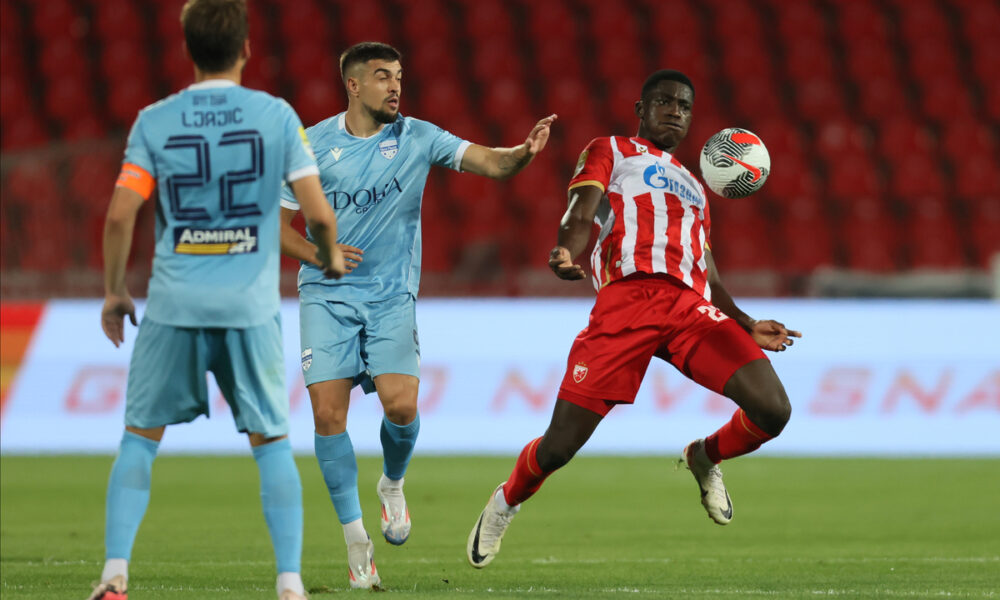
364,52
665,75
215,31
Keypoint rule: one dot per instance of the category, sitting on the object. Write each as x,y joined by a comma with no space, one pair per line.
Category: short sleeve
137,149
288,199
595,165
444,148
299,158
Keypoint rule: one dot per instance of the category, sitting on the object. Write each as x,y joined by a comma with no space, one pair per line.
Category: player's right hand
113,316
562,265
352,256
337,266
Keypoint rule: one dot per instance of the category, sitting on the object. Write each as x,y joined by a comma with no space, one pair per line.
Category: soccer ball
735,163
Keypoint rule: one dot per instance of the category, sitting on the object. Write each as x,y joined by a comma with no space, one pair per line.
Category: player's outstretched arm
119,225
501,163
574,231
295,246
769,334
322,224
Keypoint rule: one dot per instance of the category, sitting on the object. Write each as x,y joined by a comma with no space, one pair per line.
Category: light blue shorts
167,382
358,340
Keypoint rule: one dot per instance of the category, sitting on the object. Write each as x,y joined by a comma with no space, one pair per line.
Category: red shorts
643,316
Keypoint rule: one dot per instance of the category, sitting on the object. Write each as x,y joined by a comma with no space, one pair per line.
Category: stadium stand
881,118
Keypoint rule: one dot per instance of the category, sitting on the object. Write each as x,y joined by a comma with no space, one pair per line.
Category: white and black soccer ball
735,163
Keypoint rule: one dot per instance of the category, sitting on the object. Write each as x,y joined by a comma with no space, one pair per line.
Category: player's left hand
562,265
772,335
113,316
539,135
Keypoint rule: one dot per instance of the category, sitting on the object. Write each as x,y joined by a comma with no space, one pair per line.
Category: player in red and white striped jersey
659,294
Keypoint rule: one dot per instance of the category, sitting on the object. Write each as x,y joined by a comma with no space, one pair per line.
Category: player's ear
245,52
353,86
640,109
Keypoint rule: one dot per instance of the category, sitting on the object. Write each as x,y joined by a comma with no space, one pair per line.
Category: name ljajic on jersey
227,240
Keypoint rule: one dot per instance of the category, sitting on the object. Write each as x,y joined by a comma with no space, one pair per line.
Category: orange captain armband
136,179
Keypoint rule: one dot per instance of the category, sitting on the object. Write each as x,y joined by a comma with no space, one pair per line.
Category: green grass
602,527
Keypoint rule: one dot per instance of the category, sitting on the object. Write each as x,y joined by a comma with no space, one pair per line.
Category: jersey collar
209,84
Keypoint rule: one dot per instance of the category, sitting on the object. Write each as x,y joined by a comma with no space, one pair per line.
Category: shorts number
712,313
230,179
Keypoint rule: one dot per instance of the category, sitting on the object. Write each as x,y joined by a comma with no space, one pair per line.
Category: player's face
380,89
665,114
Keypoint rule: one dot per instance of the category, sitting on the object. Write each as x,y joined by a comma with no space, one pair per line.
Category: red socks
737,437
526,477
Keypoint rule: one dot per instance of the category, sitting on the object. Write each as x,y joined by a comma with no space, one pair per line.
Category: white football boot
714,496
484,540
113,589
395,514
361,565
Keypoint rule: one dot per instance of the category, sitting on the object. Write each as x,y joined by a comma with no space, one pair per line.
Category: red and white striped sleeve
595,165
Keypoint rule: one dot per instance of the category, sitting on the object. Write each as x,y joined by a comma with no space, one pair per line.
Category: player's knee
775,411
400,413
551,457
329,420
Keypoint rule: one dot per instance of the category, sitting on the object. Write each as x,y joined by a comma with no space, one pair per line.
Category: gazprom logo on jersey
228,240
655,176
365,199
389,148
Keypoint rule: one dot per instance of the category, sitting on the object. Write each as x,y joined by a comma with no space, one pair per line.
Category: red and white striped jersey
654,216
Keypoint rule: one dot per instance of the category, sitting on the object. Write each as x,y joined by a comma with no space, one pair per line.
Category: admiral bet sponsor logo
228,240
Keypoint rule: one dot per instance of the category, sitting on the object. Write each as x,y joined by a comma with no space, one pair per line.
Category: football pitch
602,527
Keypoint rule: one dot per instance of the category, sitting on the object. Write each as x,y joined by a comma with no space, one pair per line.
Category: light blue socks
128,494
397,446
281,499
340,471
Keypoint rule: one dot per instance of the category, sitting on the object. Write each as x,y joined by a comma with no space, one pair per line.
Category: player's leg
605,367
331,365
392,354
724,358
248,365
166,384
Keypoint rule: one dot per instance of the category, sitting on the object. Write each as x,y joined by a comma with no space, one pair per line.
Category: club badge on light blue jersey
389,148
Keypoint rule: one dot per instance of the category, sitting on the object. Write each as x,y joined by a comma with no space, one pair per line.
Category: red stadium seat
23,133
68,97
613,20
751,62
54,18
881,99
619,106
119,19
984,226
554,58
976,175
167,23
124,59
902,136
943,100
870,60
809,57
318,99
12,58
922,20
808,243
916,176
428,19
502,97
818,99
61,57
307,59
84,127
853,174
935,56
619,59
126,99
261,73
361,22
443,99
553,18
838,138
986,62
571,99
980,20
432,58
962,138
15,98
861,20
869,235
800,20
497,57
933,240
10,21
487,19
304,19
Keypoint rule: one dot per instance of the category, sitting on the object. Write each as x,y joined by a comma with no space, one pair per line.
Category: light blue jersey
218,153
375,186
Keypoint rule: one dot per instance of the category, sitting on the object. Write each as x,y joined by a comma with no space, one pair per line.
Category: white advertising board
869,378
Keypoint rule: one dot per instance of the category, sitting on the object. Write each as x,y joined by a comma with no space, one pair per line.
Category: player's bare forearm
574,231
119,225
293,245
721,298
322,224
501,163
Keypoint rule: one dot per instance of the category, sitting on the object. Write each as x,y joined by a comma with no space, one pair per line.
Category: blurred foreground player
362,329
656,281
218,153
